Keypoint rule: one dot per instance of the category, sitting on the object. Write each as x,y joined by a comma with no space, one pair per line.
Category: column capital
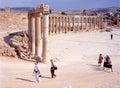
38,14
44,9
31,13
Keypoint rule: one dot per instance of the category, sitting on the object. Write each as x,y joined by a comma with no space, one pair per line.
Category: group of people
37,73
107,62
106,66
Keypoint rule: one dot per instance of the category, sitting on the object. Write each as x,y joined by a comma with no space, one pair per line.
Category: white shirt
36,68
52,65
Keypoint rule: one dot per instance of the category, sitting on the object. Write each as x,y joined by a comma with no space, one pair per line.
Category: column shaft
45,38
33,34
38,36
29,31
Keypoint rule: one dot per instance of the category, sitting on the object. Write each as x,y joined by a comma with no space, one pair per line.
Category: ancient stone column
99,23
63,31
56,24
59,21
45,38
94,23
38,35
62,20
81,22
90,22
29,25
69,24
29,31
73,21
65,24
86,22
50,25
53,24
102,21
67,17
33,34
78,23
44,9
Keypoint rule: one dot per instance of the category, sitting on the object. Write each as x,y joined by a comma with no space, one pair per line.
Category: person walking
107,63
52,69
36,72
100,59
111,36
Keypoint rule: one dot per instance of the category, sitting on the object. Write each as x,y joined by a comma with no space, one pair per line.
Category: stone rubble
18,47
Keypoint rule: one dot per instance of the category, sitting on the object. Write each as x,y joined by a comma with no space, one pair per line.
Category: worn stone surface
7,51
17,45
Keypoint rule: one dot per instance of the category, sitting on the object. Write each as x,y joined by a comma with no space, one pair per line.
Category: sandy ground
77,68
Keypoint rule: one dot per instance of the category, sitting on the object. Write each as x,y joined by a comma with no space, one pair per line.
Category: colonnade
38,20
41,25
65,24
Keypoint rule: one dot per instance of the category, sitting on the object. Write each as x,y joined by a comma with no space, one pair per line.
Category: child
100,59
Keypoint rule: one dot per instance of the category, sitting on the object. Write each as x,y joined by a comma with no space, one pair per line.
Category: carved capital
44,9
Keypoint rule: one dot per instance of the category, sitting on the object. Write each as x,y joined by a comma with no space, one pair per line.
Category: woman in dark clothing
107,63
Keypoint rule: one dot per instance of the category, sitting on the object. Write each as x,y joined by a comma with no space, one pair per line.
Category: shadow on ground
95,67
23,79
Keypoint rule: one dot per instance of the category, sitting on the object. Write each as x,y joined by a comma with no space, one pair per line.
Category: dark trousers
52,73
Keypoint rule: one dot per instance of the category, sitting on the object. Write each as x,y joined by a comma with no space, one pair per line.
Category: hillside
13,20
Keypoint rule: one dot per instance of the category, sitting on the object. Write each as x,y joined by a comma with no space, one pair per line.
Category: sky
61,4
